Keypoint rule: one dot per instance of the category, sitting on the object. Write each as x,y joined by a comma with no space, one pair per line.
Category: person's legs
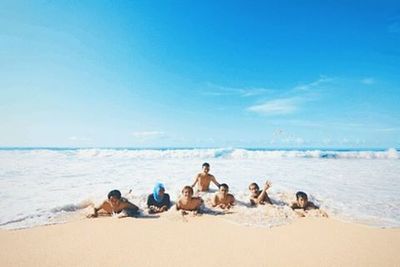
130,212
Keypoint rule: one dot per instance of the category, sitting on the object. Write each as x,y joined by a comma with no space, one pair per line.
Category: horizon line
194,147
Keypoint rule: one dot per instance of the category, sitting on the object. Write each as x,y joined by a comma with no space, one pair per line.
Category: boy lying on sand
187,202
203,179
223,199
115,204
258,196
302,205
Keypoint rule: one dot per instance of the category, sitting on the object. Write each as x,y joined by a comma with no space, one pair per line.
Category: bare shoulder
105,203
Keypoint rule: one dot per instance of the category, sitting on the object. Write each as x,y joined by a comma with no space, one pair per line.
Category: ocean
38,186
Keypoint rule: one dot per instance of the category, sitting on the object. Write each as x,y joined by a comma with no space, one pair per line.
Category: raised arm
263,197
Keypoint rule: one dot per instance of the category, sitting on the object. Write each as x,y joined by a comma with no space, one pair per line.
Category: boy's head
253,187
302,199
224,189
206,167
114,196
187,191
158,190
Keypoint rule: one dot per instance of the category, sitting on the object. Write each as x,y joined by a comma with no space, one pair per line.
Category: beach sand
199,241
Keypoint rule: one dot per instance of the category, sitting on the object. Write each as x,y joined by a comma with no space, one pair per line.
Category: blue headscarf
156,190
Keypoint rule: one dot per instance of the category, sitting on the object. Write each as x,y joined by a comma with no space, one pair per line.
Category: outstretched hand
267,185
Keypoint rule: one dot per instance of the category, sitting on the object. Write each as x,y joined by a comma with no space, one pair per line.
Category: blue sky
200,74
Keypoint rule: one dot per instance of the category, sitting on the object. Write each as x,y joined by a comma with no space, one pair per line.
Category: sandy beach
199,241
248,112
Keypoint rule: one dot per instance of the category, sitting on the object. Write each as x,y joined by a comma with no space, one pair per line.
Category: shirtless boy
302,202
187,202
116,204
223,199
203,179
258,196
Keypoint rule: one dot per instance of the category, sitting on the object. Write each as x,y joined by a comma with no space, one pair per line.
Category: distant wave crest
226,153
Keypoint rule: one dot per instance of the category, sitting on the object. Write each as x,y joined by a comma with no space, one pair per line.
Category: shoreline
226,215
199,241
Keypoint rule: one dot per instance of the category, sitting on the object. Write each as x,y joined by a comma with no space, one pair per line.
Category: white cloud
292,100
368,81
276,107
148,134
308,86
218,90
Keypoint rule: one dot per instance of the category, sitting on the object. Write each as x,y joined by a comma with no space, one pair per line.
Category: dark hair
301,194
206,164
114,193
254,184
224,185
189,188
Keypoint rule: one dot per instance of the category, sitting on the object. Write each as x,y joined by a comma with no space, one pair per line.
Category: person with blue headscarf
158,201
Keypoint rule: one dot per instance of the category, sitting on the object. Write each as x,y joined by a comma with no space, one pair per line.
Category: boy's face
114,201
206,169
223,190
253,190
187,193
302,202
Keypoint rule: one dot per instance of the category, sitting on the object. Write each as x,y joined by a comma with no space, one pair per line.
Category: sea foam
39,185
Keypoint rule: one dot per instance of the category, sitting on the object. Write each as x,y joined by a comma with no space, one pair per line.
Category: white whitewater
38,185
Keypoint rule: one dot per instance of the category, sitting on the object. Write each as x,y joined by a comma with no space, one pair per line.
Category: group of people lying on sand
159,201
